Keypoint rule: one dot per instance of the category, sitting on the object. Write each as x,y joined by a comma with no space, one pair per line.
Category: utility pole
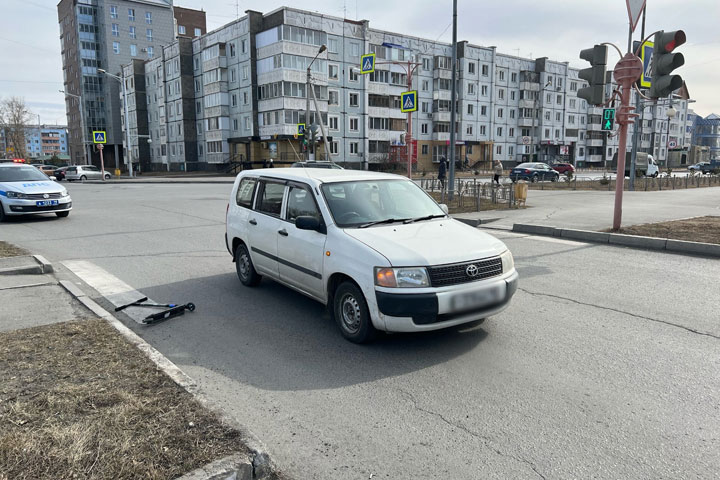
453,104
636,133
308,86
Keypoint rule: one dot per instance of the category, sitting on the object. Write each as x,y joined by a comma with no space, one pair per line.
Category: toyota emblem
472,271
45,195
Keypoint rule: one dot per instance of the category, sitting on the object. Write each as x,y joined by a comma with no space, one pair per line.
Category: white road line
109,286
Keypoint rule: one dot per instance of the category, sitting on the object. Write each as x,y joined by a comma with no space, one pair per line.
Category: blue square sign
408,101
367,63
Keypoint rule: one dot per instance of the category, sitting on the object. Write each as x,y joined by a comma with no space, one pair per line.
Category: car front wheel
83,178
107,176
352,315
245,268
2,212
534,179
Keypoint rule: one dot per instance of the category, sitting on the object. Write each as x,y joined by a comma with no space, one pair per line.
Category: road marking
556,240
501,234
109,286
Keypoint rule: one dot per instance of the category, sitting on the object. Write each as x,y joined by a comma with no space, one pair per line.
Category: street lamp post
82,124
671,112
127,118
307,104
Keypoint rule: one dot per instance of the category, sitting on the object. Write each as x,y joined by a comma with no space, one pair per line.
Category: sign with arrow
608,121
408,101
99,136
367,63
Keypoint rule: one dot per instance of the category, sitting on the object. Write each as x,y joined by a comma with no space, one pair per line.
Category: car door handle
253,222
283,232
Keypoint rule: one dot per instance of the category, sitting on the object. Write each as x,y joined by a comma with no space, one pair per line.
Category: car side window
300,204
270,198
245,192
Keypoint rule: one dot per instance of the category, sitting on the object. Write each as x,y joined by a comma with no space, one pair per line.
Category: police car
25,190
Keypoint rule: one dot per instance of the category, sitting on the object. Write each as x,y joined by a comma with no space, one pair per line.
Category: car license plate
476,299
46,203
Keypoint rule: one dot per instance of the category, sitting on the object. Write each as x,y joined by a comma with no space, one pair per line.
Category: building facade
189,23
250,93
706,134
106,34
42,142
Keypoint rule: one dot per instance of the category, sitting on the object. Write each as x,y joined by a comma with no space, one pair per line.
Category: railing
470,193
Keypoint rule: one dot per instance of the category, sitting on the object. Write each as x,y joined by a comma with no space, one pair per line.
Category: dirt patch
701,229
78,401
9,250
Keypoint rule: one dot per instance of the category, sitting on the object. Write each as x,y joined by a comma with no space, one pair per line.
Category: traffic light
664,62
595,75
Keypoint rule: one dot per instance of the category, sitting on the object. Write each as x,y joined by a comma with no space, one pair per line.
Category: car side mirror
306,222
444,208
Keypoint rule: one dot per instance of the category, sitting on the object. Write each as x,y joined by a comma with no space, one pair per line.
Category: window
300,203
148,34
498,150
131,30
232,75
133,50
573,86
471,88
354,76
501,94
270,198
333,97
354,99
354,148
243,45
247,123
231,46
113,11
572,103
234,100
500,113
512,95
333,71
547,115
425,85
235,124
499,131
115,30
557,116
246,99
198,32
150,52
484,90
334,148
483,110
559,99
485,70
354,124
513,77
424,128
131,14
425,150
148,18
471,67
181,29
482,129
426,64
471,109
469,129
501,74
355,49
246,71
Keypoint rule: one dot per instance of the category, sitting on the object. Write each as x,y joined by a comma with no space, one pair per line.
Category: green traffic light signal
608,121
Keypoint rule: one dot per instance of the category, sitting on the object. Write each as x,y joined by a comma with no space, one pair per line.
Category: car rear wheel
555,178
2,212
62,214
534,179
351,313
83,178
245,268
107,176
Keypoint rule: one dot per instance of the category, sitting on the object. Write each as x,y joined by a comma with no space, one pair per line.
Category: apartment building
106,34
42,141
249,93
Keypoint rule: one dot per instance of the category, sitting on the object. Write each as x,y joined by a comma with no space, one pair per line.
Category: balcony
442,73
594,127
441,136
526,103
594,158
525,122
531,86
441,94
595,142
441,117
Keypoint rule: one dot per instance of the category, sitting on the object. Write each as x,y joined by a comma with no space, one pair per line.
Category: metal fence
469,193
664,182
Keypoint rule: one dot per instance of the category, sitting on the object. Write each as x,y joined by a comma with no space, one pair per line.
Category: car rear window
245,192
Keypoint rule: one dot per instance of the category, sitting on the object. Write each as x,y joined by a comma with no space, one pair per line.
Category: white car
25,190
373,247
85,172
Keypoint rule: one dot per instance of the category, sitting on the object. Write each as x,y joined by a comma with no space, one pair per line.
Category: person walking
442,170
498,171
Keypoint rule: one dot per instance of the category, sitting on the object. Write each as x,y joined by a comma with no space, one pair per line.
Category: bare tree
14,119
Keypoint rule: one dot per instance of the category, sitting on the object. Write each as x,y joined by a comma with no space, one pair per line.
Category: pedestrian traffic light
595,75
664,62
608,121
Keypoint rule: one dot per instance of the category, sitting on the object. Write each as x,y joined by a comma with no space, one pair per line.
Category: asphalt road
604,366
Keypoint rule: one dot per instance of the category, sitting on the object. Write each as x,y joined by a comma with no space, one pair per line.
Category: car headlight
64,193
403,277
508,263
16,195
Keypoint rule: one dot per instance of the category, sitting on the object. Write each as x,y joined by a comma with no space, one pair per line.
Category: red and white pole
102,160
627,71
408,135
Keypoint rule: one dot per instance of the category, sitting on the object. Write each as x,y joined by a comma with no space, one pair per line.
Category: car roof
320,175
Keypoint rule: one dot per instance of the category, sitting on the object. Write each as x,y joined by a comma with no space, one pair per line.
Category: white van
373,247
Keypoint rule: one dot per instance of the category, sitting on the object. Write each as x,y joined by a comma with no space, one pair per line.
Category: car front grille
457,273
41,196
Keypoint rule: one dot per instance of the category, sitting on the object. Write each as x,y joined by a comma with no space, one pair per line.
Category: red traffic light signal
669,41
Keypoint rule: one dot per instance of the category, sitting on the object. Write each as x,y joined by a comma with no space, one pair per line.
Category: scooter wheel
191,307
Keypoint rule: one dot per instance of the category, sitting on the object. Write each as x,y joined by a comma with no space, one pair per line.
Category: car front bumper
19,206
414,312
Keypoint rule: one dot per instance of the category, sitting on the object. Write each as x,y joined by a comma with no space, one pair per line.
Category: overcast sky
31,67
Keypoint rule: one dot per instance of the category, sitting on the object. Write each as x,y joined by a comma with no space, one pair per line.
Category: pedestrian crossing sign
99,137
408,101
367,63
300,129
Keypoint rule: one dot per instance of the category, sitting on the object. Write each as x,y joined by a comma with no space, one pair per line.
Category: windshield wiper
380,222
420,219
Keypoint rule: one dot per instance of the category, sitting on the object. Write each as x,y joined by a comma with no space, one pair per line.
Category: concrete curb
256,466
617,239
164,182
41,266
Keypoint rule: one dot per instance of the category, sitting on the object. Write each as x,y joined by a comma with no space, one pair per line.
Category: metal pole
322,127
307,112
127,129
408,135
86,150
636,133
102,161
453,99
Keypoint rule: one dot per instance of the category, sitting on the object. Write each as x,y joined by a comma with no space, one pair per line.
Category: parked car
371,246
698,166
645,164
85,172
711,166
46,169
316,165
533,172
60,173
563,168
25,190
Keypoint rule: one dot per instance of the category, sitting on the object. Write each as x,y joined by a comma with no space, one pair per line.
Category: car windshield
22,174
360,203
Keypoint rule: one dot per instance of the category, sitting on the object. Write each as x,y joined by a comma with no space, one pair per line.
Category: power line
29,45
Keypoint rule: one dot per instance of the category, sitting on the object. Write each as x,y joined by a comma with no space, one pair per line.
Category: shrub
604,180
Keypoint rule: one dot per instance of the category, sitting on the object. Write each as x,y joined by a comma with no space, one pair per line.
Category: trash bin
521,190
